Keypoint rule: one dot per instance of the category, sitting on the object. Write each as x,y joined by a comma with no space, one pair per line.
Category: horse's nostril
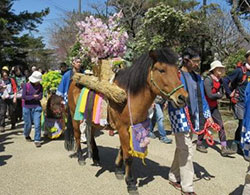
181,99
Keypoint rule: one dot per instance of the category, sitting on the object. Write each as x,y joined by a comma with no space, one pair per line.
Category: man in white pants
182,171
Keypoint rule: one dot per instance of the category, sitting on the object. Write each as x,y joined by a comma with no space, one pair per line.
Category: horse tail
69,141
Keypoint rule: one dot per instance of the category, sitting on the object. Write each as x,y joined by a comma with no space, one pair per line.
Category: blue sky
57,10
59,7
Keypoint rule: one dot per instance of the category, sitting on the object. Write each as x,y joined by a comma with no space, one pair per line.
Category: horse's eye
161,71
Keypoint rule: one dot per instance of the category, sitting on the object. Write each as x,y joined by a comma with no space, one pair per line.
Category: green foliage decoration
50,81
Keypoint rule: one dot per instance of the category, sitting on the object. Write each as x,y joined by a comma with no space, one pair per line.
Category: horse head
55,107
163,77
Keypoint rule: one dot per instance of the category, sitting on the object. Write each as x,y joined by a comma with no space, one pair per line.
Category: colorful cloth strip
87,100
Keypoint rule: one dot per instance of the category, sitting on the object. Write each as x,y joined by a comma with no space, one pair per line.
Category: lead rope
205,131
129,109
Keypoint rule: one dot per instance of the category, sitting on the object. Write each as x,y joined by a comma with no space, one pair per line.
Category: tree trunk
237,22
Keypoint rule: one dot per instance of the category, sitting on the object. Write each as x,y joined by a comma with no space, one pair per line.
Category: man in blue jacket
182,171
62,91
238,79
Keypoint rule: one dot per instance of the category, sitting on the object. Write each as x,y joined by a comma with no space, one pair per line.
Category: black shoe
201,148
28,139
225,151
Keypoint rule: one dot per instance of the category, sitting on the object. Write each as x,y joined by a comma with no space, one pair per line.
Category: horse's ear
153,55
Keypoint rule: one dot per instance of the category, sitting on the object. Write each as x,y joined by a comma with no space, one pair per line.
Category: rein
205,131
163,92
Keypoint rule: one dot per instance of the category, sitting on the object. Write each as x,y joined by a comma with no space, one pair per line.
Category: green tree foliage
232,60
13,46
134,10
75,51
163,26
181,5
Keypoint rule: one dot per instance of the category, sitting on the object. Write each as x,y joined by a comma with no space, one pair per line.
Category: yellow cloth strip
84,101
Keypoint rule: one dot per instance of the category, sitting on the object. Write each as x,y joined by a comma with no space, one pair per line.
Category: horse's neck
140,103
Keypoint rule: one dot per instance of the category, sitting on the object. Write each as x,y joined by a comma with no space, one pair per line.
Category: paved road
25,169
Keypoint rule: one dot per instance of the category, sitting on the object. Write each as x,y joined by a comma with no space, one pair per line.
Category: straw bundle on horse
103,70
111,91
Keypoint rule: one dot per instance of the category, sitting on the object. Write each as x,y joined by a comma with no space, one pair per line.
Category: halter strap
163,92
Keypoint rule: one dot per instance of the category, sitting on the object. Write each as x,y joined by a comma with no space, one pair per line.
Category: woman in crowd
214,91
20,81
32,94
7,99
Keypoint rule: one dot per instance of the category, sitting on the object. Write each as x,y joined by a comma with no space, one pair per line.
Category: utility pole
79,6
203,41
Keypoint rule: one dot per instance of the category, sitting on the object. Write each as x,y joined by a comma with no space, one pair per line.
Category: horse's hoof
69,145
133,191
81,162
119,176
96,163
119,173
73,155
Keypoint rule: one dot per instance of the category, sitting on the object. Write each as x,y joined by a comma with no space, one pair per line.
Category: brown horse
154,73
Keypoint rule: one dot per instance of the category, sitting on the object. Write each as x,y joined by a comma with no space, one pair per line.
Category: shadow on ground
201,173
238,190
5,140
144,174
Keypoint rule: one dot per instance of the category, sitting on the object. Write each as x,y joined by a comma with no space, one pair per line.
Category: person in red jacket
213,92
7,99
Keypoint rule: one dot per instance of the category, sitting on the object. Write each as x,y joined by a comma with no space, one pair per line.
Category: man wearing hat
5,68
236,78
213,92
32,94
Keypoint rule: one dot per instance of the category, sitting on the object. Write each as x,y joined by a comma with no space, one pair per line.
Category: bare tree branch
237,21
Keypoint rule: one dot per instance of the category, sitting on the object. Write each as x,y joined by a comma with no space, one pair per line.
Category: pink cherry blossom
99,40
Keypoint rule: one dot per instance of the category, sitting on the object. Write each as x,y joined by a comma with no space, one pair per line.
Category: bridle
168,95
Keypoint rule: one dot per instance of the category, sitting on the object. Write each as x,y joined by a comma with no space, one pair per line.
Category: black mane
134,78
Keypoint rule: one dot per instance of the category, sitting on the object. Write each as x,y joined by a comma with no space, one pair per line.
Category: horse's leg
77,134
119,173
95,154
69,134
129,178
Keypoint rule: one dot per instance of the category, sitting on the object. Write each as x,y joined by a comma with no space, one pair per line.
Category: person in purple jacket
32,94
